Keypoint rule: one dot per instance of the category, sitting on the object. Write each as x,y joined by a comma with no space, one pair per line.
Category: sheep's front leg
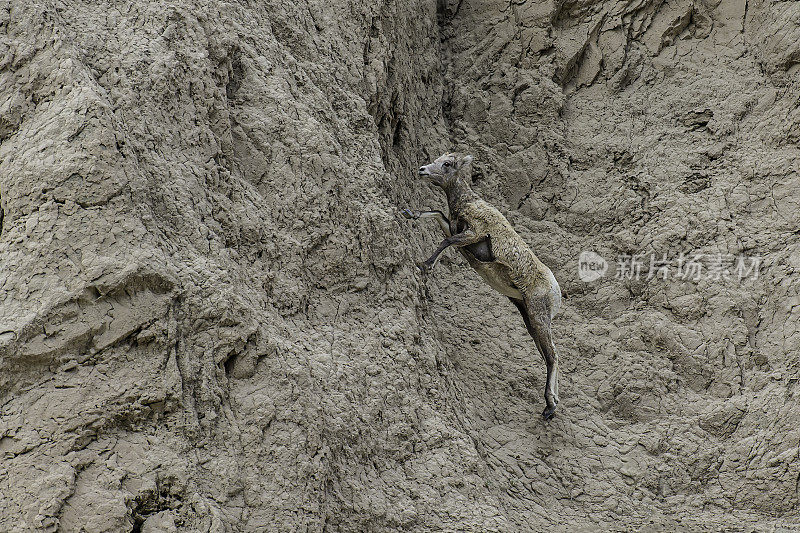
460,239
444,222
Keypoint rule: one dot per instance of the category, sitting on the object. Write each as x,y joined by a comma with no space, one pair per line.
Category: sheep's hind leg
523,310
539,318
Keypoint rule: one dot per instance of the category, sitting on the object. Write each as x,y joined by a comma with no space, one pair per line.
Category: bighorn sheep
492,247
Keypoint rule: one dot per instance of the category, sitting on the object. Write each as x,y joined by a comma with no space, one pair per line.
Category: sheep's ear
466,160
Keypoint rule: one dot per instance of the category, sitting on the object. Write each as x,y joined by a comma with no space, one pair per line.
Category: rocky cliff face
210,317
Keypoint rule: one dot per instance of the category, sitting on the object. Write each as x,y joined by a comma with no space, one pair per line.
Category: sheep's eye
446,164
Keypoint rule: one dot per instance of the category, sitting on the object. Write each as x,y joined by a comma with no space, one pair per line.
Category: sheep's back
527,271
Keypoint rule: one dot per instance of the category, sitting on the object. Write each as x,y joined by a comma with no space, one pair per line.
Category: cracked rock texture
210,317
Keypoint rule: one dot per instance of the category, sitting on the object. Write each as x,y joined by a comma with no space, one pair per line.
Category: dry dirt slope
209,315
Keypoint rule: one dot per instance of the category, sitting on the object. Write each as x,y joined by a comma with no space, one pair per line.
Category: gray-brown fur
499,255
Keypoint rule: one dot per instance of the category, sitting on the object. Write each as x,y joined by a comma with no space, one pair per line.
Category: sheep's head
445,170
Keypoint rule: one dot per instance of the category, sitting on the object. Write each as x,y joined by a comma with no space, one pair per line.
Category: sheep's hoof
424,268
548,412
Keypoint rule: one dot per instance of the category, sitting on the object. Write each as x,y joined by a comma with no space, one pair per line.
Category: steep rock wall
211,319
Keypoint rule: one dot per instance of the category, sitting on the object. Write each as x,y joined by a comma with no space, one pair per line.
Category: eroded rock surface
210,317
